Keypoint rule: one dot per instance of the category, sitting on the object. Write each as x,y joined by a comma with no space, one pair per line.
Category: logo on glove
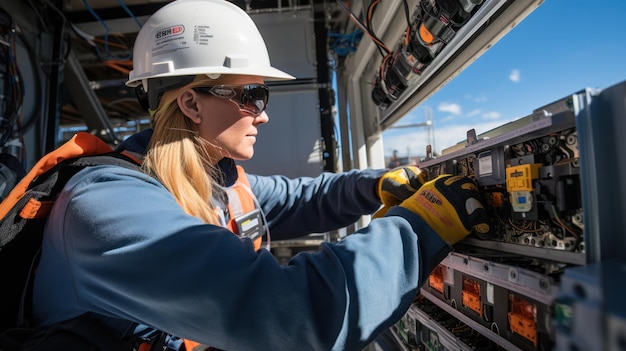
431,197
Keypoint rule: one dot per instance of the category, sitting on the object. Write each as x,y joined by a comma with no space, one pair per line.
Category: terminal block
519,184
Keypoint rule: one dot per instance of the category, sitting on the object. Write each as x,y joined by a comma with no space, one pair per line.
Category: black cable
406,13
364,27
35,88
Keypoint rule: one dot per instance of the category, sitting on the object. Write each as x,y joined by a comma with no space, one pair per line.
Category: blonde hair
181,159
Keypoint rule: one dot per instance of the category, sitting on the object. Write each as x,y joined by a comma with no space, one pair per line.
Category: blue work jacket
118,245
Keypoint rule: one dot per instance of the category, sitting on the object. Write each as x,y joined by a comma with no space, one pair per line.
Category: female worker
129,251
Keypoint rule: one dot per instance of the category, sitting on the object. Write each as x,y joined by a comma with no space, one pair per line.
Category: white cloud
480,98
473,113
515,76
491,115
452,108
476,98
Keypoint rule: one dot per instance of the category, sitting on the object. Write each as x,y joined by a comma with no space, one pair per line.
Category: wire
35,90
406,13
118,65
562,224
94,42
525,227
368,21
108,55
370,13
407,36
365,28
382,72
129,12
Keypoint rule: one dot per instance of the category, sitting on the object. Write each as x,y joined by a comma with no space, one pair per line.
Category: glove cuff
432,246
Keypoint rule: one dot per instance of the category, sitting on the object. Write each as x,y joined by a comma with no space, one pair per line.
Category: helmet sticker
173,30
169,39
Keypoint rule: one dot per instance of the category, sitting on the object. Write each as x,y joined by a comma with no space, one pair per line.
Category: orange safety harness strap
241,204
81,144
194,346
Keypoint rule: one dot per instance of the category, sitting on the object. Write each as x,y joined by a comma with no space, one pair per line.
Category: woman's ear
188,104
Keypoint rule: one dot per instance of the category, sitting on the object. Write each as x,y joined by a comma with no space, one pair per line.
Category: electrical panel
530,286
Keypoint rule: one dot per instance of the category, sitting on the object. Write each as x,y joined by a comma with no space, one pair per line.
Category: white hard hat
191,37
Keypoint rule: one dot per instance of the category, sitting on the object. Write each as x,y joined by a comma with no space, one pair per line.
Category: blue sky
560,48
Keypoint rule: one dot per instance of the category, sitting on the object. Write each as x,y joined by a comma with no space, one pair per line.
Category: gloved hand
452,206
398,185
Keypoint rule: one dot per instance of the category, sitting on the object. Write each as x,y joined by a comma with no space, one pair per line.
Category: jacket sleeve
118,245
300,206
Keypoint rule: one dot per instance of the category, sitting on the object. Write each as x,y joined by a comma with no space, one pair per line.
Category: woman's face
231,130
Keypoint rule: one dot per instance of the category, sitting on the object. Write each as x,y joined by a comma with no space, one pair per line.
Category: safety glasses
251,98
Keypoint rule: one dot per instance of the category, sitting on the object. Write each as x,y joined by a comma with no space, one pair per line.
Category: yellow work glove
452,206
398,185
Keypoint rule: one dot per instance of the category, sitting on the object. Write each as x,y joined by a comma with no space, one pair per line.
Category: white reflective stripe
236,208
221,210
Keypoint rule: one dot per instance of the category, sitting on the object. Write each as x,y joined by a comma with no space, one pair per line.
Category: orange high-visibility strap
194,346
244,204
80,144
